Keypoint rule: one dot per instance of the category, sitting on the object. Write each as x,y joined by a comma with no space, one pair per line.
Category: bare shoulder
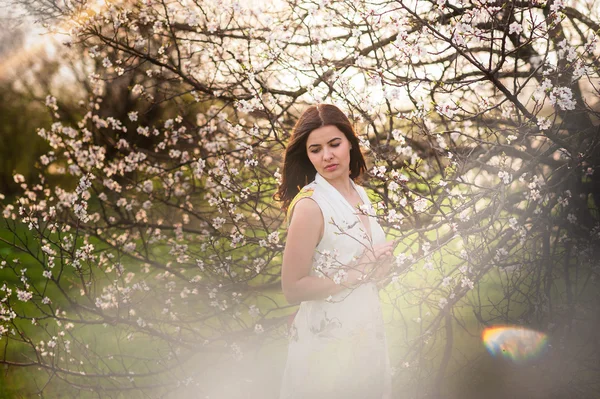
306,210
306,192
307,221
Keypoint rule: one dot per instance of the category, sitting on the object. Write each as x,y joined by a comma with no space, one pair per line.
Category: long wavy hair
298,171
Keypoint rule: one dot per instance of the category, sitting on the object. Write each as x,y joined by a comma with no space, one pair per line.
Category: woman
333,258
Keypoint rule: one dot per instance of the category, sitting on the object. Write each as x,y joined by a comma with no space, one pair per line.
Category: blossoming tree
480,122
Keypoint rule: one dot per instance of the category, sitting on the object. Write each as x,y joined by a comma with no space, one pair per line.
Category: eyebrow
318,145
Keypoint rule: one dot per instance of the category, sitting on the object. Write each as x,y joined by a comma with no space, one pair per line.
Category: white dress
337,347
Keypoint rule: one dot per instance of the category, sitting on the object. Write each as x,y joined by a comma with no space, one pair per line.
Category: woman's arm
304,233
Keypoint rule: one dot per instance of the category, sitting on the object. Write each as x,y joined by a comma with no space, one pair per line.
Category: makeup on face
328,150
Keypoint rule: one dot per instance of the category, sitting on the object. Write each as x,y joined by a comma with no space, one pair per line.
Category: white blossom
563,97
420,205
515,27
505,177
442,302
24,295
544,123
148,186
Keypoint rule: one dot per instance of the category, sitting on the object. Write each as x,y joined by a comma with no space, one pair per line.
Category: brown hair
298,171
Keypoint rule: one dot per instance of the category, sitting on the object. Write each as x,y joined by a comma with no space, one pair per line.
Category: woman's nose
327,154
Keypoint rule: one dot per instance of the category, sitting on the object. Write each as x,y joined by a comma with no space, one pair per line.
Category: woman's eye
335,145
314,151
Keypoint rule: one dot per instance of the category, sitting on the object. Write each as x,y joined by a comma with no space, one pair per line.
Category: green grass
403,331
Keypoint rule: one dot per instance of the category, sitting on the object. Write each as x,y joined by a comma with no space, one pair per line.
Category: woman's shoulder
308,191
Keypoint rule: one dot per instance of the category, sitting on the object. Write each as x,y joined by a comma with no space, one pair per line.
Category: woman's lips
330,168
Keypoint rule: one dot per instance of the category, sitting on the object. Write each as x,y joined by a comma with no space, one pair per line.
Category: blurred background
495,191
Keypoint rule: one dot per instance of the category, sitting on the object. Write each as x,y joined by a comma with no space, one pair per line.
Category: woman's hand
374,264
384,261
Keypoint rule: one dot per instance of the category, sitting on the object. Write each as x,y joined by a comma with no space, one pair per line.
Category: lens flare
518,344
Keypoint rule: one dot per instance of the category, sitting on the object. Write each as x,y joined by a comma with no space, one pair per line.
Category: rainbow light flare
518,344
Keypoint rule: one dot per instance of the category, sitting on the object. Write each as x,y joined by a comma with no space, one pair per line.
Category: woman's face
329,151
